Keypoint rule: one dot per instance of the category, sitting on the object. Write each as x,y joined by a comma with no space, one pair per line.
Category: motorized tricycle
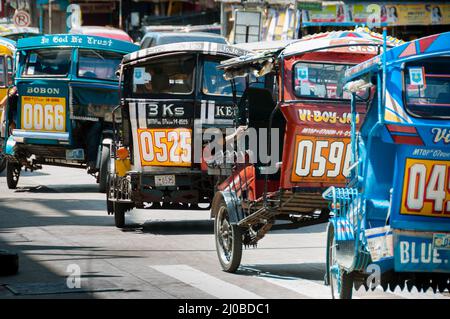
7,49
391,223
300,124
60,115
171,94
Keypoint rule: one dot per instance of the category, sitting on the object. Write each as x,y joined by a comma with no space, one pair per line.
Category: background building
284,19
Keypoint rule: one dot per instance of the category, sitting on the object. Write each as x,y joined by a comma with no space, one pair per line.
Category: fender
233,203
9,147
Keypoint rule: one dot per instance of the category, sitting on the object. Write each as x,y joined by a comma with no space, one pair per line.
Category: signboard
309,5
247,26
390,14
22,18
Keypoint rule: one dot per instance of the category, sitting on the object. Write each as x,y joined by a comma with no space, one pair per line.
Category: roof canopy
262,63
210,48
77,41
429,46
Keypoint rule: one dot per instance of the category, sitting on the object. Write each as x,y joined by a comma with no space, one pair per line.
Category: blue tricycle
391,223
61,112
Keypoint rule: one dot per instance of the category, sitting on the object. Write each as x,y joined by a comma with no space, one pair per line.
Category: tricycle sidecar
61,112
300,125
171,94
391,224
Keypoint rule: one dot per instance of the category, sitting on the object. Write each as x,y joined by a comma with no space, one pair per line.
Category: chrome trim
20,134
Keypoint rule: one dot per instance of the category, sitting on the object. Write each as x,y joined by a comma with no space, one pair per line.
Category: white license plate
165,180
441,241
76,154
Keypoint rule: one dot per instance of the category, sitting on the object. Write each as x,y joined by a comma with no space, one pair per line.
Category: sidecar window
47,62
215,84
427,91
168,75
321,80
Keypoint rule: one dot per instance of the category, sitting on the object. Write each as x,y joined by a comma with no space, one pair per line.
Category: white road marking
303,287
206,283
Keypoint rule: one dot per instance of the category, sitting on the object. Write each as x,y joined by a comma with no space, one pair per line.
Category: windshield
428,88
215,84
47,62
170,75
98,64
320,80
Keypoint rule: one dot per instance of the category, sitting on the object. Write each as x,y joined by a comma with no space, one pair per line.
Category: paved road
57,221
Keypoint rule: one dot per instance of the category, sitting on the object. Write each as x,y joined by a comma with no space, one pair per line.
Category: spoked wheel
104,169
109,203
12,174
228,240
341,282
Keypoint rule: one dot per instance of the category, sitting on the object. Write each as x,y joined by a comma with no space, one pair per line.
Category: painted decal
321,159
416,76
440,134
165,147
416,253
426,188
306,115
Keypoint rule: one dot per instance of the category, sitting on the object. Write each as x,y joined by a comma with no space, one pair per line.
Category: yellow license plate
426,189
43,113
165,147
323,159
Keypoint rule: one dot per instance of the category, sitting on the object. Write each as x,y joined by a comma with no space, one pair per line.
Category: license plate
75,154
441,241
425,191
43,113
165,147
165,180
414,252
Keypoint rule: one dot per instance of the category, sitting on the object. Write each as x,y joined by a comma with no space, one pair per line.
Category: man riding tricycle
171,94
391,224
299,122
61,113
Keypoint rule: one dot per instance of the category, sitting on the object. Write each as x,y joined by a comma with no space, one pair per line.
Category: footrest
262,213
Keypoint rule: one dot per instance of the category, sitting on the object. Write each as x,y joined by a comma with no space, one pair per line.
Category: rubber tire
103,171
12,184
119,214
2,163
109,206
327,255
346,278
236,255
9,263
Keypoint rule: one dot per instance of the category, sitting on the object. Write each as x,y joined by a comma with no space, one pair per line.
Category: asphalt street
57,222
